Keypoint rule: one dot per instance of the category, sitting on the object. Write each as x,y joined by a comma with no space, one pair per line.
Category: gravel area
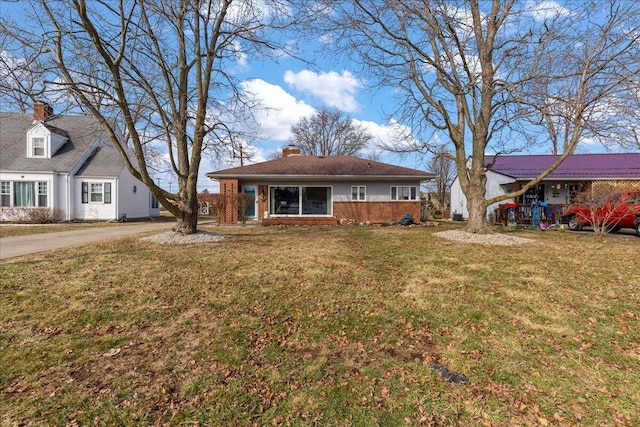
180,239
483,239
457,235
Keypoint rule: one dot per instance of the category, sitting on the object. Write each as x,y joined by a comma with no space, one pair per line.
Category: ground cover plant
324,326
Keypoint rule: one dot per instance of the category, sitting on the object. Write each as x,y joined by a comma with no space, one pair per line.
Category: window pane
316,200
24,194
85,192
394,194
404,193
284,200
354,193
362,193
413,193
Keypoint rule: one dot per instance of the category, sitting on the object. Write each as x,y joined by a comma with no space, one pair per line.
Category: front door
253,191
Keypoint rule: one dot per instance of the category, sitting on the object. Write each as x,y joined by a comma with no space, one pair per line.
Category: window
358,192
24,194
96,192
37,147
42,194
284,200
316,200
404,193
154,202
300,200
5,193
107,192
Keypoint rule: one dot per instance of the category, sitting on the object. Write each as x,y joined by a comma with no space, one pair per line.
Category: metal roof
577,166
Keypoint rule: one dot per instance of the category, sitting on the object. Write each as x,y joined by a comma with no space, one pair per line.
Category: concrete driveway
11,247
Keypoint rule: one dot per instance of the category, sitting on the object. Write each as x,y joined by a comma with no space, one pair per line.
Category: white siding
95,210
494,188
134,204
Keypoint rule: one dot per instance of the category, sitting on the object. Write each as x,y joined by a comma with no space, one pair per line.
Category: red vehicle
619,210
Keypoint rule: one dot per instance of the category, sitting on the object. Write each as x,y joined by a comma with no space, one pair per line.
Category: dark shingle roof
577,166
320,166
82,131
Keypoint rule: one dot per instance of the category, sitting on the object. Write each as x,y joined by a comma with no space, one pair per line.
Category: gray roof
82,131
105,161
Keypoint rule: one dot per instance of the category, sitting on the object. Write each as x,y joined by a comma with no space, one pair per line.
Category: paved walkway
11,247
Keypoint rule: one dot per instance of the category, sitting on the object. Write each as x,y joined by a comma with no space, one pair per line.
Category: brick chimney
290,150
42,111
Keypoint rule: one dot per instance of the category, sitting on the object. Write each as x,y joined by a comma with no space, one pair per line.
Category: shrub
245,203
44,215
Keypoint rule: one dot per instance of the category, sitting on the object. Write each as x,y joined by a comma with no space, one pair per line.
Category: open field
324,326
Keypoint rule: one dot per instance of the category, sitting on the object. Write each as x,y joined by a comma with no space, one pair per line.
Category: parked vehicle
619,210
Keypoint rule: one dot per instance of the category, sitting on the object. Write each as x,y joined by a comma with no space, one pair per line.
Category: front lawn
324,326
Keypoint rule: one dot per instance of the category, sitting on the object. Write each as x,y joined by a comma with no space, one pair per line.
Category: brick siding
374,212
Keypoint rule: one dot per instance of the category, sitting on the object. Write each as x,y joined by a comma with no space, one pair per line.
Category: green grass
323,326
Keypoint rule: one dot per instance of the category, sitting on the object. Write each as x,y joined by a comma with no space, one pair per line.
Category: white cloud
278,110
547,9
389,134
333,89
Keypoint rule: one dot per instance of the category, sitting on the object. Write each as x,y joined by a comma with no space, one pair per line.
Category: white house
66,163
509,173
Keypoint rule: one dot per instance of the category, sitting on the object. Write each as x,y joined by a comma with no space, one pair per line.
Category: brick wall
299,220
229,187
374,212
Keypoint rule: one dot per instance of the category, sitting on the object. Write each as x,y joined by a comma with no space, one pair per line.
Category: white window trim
36,190
358,187
32,147
101,192
9,184
90,192
403,200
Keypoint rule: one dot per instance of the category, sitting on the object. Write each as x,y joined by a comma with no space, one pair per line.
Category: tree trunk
478,218
477,209
188,218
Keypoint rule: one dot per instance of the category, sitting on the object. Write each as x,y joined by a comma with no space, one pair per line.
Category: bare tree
329,133
495,75
159,72
442,165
